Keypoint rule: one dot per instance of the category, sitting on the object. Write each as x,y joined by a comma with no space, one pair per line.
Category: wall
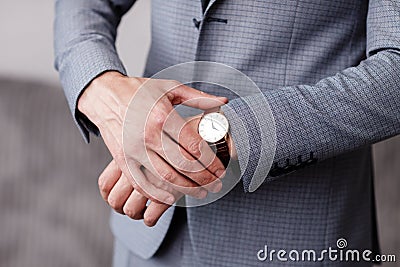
26,30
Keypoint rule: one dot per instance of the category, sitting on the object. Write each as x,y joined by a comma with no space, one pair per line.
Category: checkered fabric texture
330,73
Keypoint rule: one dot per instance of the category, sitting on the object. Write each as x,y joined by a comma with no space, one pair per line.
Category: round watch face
213,127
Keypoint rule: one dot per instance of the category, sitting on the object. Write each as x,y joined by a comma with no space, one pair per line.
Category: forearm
356,107
84,43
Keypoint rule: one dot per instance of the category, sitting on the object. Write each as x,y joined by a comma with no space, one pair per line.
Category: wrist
101,91
224,146
98,84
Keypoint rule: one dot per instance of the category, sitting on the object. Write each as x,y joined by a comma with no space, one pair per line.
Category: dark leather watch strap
222,151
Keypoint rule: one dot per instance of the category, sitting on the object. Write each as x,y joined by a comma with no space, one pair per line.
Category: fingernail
202,194
170,200
216,187
224,99
220,173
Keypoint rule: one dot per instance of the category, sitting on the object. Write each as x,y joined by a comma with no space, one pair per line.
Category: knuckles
119,157
104,185
194,147
185,164
157,118
171,85
154,127
132,213
213,167
167,176
150,220
114,203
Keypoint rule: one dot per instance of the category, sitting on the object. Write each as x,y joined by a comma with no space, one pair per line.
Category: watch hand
220,127
212,125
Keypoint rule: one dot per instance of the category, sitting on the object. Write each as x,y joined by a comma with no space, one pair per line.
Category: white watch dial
213,127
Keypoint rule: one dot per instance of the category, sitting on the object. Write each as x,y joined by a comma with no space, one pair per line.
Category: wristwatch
213,128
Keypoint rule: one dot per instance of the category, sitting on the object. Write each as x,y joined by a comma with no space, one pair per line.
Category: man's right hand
118,192
171,151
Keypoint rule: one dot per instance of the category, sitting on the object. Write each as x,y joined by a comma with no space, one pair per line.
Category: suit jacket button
275,170
311,160
288,168
300,163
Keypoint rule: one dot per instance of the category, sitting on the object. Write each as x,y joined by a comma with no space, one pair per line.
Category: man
329,71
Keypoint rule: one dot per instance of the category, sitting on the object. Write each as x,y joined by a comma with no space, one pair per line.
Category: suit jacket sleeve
84,43
356,107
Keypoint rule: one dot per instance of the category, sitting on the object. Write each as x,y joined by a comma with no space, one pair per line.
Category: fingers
150,191
181,161
171,188
161,107
191,146
119,194
165,118
189,96
167,174
153,213
135,205
117,182
165,186
108,178
185,133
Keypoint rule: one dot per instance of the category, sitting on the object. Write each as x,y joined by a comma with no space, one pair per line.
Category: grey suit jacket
330,73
